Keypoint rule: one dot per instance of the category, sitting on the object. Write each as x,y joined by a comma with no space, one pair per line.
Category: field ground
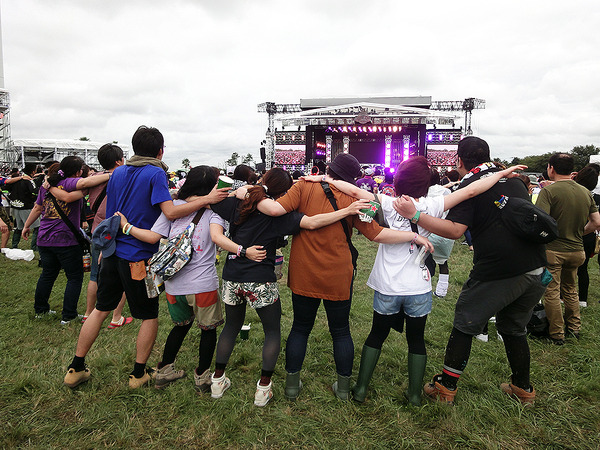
38,411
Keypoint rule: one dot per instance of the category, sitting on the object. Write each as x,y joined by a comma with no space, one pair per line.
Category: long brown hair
277,182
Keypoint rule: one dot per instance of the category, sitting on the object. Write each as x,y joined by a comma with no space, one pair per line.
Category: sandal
122,321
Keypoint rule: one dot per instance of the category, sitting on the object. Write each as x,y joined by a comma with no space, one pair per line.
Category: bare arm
271,208
36,212
15,179
442,227
347,188
4,227
255,253
321,220
389,236
89,182
65,196
593,224
140,234
173,212
478,187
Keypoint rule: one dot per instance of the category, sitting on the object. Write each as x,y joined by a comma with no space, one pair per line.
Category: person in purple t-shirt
367,182
57,244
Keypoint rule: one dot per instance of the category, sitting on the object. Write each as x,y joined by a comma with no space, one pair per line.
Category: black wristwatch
243,252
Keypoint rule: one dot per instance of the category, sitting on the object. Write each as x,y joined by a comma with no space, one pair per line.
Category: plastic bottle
87,261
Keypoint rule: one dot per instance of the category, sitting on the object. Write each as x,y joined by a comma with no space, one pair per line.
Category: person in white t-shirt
400,278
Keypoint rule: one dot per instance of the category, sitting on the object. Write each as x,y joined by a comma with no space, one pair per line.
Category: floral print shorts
257,295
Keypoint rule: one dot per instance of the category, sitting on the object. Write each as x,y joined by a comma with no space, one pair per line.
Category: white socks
442,286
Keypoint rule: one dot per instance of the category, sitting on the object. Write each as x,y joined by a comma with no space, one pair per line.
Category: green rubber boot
416,371
292,385
368,361
341,387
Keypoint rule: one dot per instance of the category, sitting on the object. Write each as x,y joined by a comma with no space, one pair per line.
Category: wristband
323,179
243,252
415,238
416,217
126,232
239,250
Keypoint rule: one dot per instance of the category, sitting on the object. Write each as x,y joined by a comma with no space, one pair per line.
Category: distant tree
247,159
84,138
233,161
581,154
536,163
503,162
185,163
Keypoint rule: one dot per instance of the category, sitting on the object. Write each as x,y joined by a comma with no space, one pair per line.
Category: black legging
270,316
208,341
415,331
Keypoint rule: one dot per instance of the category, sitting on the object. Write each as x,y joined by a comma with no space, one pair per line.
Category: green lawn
38,411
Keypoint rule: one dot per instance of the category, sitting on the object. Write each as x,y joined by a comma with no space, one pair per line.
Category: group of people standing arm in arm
320,213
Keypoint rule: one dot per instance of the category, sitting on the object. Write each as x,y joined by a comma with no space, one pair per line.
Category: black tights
208,341
270,316
415,330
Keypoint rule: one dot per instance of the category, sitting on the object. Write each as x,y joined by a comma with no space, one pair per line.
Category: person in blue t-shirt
138,190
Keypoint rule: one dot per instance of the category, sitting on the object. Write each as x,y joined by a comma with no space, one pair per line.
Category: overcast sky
197,69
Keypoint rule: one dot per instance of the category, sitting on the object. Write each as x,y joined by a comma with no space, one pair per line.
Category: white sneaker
219,385
263,394
482,337
48,313
583,304
441,289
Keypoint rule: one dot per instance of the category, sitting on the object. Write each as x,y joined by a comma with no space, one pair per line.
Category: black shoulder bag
82,241
345,226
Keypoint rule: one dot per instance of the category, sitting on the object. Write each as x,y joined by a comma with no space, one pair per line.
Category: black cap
346,167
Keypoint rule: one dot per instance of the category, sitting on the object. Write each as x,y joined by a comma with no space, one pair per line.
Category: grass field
38,411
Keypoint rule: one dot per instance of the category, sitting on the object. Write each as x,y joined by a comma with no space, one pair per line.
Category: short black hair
199,181
473,151
562,163
147,141
30,168
109,155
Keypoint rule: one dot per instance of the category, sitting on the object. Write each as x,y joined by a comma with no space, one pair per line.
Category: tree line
538,163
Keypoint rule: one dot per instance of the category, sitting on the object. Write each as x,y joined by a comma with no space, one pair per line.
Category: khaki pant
563,267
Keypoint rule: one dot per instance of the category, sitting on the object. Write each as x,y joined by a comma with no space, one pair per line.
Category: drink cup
367,214
224,181
245,331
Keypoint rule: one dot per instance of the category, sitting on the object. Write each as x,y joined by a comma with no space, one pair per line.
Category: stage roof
311,103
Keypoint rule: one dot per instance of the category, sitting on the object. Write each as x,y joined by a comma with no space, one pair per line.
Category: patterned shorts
258,295
5,218
205,307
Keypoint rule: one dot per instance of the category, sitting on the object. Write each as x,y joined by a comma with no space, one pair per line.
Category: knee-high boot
416,371
368,361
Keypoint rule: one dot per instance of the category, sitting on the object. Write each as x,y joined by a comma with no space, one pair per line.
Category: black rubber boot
416,371
368,361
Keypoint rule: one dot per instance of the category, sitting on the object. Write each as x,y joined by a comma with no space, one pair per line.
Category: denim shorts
414,305
95,268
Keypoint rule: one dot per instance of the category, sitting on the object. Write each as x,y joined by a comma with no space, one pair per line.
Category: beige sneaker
167,375
218,386
135,383
73,378
263,394
202,382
